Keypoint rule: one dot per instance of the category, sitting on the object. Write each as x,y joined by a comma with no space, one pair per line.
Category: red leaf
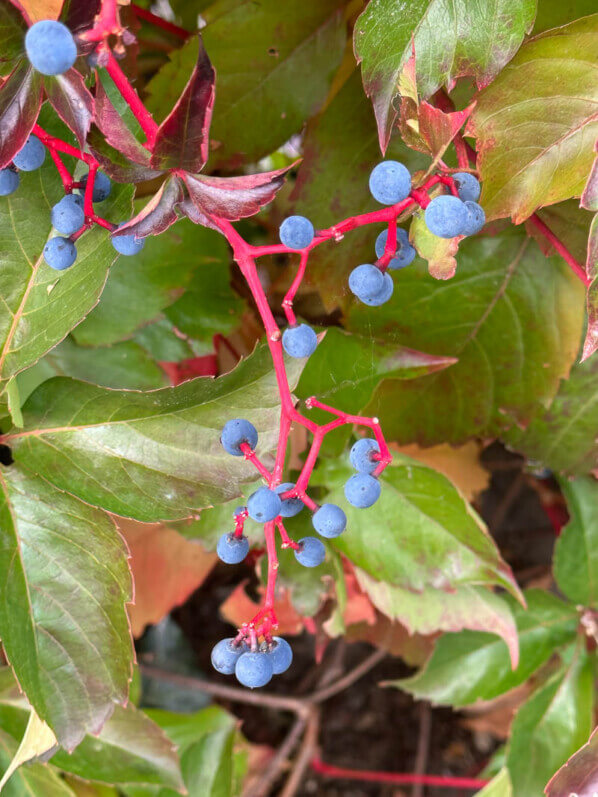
71,101
114,163
159,213
196,216
579,775
183,137
116,131
438,128
234,198
20,101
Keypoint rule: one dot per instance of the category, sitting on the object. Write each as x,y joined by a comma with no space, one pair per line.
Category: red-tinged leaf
72,101
589,197
20,101
114,163
197,217
439,252
234,198
116,131
591,342
182,139
159,213
22,10
438,128
579,775
12,31
239,608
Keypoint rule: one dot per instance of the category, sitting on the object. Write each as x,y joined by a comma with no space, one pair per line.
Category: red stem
560,247
441,781
143,116
158,22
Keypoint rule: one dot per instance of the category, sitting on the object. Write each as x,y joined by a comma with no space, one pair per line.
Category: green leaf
433,610
575,561
264,61
155,455
130,749
33,779
579,775
452,38
43,305
471,665
437,541
164,344
62,620
439,252
332,183
159,273
550,726
499,786
553,13
124,365
12,32
563,436
526,158
513,319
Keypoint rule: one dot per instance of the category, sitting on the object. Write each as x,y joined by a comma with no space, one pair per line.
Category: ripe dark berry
311,552
60,253
383,295
127,244
68,215
360,455
366,281
299,341
50,47
264,505
476,218
329,520
231,549
390,182
289,506
101,186
446,216
280,654
254,669
9,182
362,490
31,156
235,433
296,232
405,254
468,187
226,654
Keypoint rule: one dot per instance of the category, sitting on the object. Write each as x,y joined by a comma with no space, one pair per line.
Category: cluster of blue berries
253,668
52,50
362,490
448,216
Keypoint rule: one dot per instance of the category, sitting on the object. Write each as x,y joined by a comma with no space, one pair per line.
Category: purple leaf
196,216
182,139
114,163
579,775
71,101
234,198
114,128
12,31
20,101
159,213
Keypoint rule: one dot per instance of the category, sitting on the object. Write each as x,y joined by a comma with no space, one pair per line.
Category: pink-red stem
397,778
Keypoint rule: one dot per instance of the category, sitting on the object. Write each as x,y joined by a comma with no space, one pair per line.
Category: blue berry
231,549
296,232
60,253
236,432
289,506
50,47
254,669
382,296
9,182
329,520
299,341
31,156
468,187
311,552
127,244
361,455
239,510
446,216
366,281
264,505
390,182
68,215
101,186
405,254
362,490
280,654
476,218
225,655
